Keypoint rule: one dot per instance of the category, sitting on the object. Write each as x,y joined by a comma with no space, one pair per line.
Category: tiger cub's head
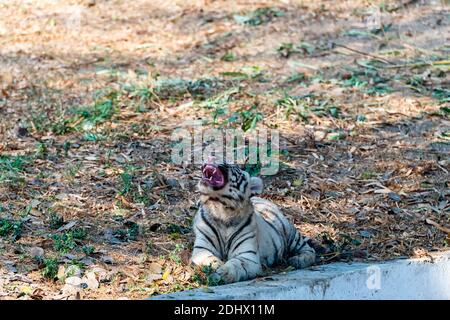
227,186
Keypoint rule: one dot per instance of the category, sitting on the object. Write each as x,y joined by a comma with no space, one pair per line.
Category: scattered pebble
90,280
87,261
155,268
36,252
61,272
107,259
153,277
101,274
74,281
10,266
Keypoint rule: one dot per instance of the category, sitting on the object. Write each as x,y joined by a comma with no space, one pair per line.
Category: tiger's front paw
303,260
209,261
225,274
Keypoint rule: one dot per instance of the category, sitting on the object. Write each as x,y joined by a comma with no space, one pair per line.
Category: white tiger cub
237,233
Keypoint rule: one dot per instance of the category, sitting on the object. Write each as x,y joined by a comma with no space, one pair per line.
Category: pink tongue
212,175
217,177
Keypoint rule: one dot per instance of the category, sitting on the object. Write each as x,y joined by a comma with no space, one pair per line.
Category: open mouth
212,175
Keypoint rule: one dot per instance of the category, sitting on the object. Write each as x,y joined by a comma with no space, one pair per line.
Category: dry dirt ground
91,205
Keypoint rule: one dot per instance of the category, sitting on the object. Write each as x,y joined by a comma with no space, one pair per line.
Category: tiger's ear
256,185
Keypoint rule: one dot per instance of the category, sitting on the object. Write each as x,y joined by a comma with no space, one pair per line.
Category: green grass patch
86,118
10,228
259,16
177,88
88,249
67,241
304,48
175,254
55,221
366,175
297,77
247,118
228,57
302,108
50,268
131,187
64,243
441,94
130,233
12,168
367,79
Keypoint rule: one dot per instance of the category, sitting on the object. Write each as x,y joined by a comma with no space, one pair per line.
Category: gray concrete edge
338,281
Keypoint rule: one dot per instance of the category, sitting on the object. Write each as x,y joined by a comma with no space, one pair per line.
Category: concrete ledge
427,278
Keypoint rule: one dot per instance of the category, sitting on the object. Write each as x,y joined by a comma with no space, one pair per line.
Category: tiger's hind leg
301,254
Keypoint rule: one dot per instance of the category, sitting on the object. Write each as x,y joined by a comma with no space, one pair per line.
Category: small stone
10,266
155,268
37,182
36,252
18,250
153,277
87,261
107,259
91,281
444,163
101,274
61,273
73,281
